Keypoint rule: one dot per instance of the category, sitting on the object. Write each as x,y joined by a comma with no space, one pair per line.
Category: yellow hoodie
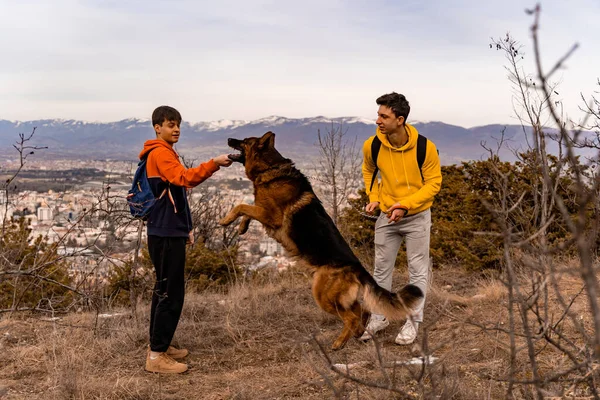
400,176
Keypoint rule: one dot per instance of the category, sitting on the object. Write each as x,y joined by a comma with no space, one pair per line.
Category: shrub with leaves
206,267
33,276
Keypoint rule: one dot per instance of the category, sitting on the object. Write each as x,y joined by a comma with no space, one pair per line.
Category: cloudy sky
106,60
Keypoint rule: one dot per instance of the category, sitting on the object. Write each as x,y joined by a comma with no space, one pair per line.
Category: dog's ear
268,139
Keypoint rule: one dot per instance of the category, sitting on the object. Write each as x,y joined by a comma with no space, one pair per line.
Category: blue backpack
140,197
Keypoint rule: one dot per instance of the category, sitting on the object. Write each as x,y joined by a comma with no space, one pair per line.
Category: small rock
346,367
112,315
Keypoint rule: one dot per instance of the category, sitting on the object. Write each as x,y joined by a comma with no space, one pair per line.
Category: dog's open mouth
236,157
236,145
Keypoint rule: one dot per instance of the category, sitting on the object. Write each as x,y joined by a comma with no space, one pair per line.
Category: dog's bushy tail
394,306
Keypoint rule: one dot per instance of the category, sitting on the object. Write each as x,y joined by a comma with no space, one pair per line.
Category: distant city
75,218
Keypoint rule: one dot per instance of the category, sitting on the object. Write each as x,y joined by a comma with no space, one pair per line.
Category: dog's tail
394,306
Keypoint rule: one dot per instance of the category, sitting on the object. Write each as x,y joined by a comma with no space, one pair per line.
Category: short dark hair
165,113
396,102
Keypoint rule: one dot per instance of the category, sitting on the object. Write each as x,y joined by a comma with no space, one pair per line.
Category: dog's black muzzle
237,145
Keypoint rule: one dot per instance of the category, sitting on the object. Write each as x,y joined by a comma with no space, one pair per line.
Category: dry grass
262,339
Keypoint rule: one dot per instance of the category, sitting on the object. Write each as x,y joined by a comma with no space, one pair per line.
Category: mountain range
122,140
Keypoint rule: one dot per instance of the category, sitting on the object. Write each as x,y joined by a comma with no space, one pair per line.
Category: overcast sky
106,60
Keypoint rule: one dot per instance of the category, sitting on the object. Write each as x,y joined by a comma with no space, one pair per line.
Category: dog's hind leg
354,324
349,319
337,294
362,316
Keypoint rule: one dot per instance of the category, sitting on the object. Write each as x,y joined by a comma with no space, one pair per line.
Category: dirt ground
266,339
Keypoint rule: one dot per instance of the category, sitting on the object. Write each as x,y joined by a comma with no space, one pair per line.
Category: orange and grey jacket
401,180
169,180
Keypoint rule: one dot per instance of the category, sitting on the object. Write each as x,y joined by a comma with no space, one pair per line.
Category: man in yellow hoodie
404,195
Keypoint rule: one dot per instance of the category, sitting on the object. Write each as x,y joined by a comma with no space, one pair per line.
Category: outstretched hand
223,160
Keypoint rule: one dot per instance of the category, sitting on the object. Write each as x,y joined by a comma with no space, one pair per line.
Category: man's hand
190,240
396,213
223,160
371,207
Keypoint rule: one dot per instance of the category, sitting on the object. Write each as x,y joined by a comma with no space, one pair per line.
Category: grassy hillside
266,339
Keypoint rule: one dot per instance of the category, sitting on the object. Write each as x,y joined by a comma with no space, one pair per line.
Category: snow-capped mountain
294,136
212,126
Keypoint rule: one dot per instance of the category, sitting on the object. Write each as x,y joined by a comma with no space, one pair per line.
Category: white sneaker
375,324
408,333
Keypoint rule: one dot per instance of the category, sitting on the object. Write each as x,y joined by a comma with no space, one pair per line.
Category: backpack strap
421,152
166,190
375,146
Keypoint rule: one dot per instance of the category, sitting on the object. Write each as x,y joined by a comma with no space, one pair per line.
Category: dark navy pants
168,256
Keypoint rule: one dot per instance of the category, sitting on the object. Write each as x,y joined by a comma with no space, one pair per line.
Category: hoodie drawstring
405,174
392,162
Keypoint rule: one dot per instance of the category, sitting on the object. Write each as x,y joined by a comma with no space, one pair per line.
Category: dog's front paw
243,228
228,219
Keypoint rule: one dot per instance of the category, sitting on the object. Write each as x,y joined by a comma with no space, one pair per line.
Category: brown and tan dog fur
291,213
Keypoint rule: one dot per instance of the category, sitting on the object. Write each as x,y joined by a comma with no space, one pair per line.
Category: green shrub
34,276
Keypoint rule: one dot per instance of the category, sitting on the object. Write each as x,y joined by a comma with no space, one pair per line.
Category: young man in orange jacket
404,195
169,229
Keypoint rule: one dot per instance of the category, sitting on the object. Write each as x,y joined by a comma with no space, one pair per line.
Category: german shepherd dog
284,202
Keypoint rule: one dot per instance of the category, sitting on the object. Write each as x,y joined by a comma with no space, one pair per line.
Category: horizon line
240,122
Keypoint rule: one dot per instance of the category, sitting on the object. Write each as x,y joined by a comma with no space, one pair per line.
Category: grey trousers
415,229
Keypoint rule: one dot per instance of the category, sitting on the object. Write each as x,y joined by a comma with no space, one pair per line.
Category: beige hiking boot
173,352
177,354
164,364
